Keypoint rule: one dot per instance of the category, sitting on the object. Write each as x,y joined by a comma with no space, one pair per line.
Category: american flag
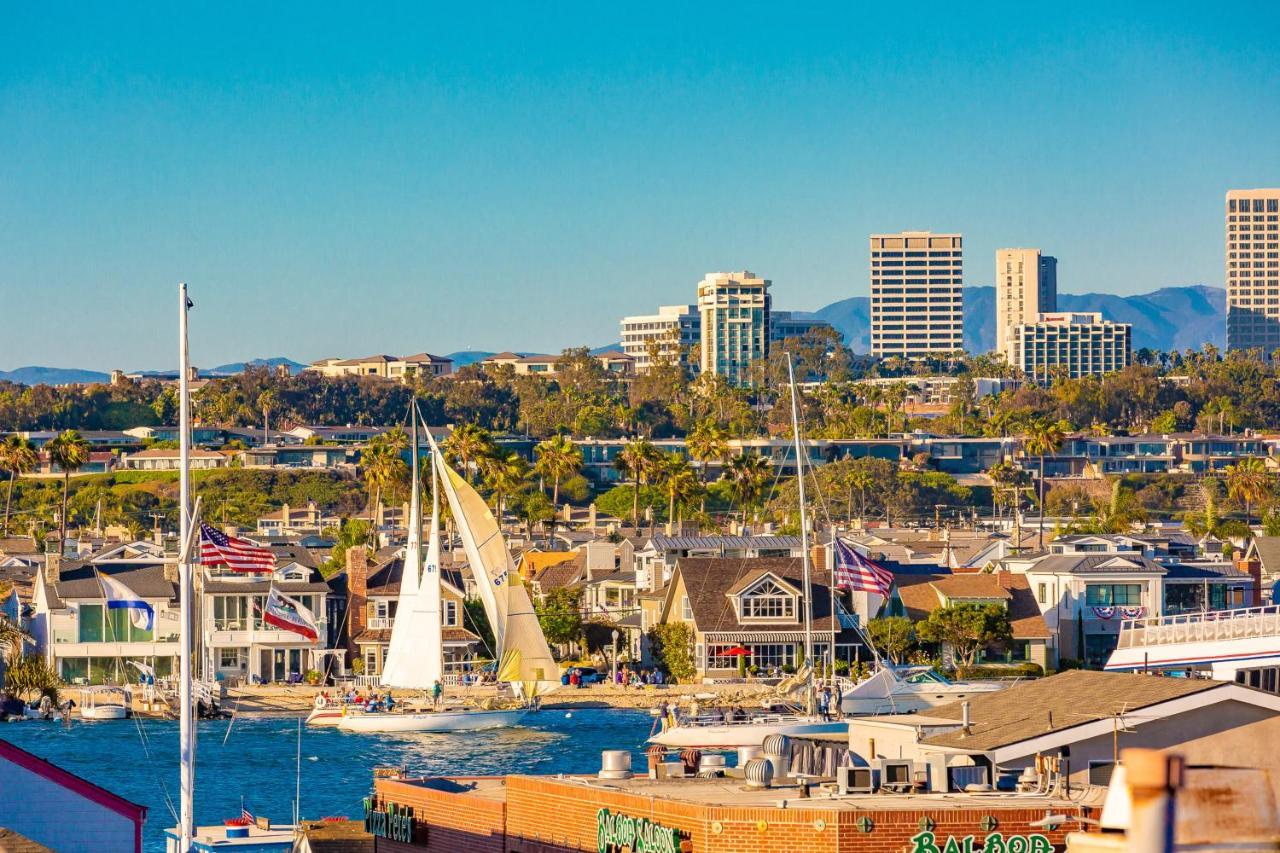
238,555
245,814
854,571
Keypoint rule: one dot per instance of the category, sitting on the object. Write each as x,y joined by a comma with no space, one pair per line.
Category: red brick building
523,814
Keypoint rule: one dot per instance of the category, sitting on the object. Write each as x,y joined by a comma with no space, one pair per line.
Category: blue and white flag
118,595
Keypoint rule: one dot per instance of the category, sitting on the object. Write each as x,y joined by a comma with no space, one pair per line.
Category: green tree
707,442
383,469
893,636
967,628
679,482
505,475
31,676
560,615
749,475
637,461
17,457
12,639
672,645
466,444
1248,482
1044,437
557,458
70,452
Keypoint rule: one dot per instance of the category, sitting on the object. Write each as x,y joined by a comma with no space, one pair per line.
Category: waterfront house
757,603
86,642
164,459
917,596
656,560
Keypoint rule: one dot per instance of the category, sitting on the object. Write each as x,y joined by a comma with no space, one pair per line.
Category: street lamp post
613,675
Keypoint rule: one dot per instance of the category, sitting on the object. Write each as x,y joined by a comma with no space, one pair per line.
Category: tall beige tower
1026,287
917,294
734,309
1253,271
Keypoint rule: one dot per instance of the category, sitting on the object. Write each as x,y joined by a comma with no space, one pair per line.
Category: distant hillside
239,366
462,359
53,376
1168,318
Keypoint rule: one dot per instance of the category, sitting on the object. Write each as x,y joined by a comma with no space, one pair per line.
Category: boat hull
909,702
108,713
325,717
441,721
732,736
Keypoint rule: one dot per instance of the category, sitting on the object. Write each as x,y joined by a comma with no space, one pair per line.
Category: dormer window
768,601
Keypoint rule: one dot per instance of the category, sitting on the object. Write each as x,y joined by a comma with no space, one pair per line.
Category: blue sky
340,181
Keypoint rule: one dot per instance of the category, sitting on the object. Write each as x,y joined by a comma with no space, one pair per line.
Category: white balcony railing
1210,625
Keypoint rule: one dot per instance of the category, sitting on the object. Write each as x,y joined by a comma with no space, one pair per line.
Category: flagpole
804,541
186,820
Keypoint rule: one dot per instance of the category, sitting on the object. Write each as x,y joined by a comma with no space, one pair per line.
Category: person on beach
437,695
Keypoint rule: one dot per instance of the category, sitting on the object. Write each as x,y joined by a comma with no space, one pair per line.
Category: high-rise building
1253,270
676,330
917,294
1071,345
1026,287
735,323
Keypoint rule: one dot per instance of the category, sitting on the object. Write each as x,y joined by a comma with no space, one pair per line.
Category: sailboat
415,656
715,732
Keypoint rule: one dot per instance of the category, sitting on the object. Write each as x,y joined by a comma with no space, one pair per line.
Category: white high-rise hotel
917,294
1253,270
1026,287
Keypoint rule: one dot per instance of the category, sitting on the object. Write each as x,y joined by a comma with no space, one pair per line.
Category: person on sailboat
437,695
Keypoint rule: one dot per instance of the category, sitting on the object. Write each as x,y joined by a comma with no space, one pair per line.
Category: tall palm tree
679,481
1248,482
267,403
383,468
749,473
17,457
637,462
504,474
708,442
859,478
558,458
467,444
69,451
1042,438
12,639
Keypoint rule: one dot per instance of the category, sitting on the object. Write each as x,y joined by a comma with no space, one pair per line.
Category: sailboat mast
186,819
804,540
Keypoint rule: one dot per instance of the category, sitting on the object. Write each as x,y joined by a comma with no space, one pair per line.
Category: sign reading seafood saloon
614,832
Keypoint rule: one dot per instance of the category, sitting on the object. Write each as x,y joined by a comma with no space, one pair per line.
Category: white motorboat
432,721
415,656
903,690
104,702
716,733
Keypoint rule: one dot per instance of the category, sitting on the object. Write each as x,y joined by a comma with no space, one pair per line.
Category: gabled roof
1267,549
426,358
976,586
919,595
707,582
71,782
80,581
750,579
1085,564
705,543
1033,708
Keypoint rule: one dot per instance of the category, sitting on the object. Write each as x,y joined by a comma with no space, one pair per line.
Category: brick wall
547,815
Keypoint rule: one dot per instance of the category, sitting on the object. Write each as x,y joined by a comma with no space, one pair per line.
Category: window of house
371,660
768,601
1113,594
1042,593
451,614
686,612
228,658
90,623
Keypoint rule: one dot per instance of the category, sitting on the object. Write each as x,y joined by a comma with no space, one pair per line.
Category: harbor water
138,759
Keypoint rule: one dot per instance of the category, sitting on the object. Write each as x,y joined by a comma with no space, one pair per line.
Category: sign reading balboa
925,842
394,823
637,834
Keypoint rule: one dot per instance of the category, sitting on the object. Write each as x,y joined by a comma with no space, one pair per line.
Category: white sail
413,655
521,648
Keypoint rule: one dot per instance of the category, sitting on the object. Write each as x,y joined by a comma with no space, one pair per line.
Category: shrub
673,649
312,677
1017,670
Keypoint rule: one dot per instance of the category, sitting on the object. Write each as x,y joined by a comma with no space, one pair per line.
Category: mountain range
1167,319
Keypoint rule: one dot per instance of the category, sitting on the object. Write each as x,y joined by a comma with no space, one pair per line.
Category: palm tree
708,442
505,475
858,477
12,639
1248,482
636,461
17,457
267,403
558,458
467,444
383,468
1042,438
679,480
69,451
749,472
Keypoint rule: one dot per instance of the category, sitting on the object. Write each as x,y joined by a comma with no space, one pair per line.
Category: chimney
313,512
284,517
357,593
53,566
1254,569
966,725
591,515
231,530
566,514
